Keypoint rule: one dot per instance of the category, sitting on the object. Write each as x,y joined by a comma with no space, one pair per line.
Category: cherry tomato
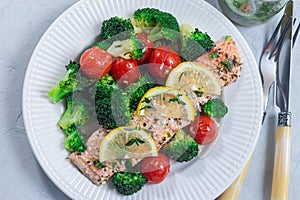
125,71
155,169
203,129
149,47
162,61
95,62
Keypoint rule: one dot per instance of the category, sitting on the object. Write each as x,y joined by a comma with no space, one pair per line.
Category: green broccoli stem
156,36
65,121
132,47
119,48
57,93
155,33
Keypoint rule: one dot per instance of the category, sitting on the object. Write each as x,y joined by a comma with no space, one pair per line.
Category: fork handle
282,159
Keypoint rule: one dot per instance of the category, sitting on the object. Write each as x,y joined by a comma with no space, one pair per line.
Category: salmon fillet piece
162,130
224,60
93,142
98,172
87,162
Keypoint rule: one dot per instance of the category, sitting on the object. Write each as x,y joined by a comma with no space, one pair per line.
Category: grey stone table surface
22,23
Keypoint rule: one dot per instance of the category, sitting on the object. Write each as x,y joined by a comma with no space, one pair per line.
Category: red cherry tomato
162,62
155,169
149,47
95,62
203,129
125,71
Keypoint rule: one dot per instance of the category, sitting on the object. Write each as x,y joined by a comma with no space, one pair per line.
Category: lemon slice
127,142
166,102
191,76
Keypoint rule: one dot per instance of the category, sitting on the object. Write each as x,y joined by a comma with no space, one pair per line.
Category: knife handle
233,191
281,164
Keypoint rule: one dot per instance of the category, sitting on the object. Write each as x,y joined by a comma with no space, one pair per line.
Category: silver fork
269,59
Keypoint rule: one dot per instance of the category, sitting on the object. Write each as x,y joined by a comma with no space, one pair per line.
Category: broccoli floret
215,108
114,29
137,90
73,141
116,26
111,103
130,48
203,39
73,80
66,85
128,183
181,147
77,112
158,24
194,42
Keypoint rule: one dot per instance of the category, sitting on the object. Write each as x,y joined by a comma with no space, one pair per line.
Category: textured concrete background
22,23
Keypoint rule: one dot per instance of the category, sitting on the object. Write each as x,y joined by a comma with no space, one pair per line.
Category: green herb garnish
213,55
136,141
146,100
228,64
147,106
99,164
199,93
176,99
180,77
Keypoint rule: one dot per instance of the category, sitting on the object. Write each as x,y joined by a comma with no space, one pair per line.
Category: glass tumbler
251,12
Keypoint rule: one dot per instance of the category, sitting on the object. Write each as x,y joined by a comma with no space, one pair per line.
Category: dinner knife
280,180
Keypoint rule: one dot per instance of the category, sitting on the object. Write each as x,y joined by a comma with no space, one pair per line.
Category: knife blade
285,62
280,179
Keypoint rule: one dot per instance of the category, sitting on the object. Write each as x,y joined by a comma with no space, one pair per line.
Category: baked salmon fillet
162,130
224,60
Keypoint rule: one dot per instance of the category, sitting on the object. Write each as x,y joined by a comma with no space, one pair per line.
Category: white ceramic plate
75,30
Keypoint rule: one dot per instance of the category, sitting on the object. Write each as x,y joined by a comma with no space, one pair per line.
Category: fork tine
296,34
272,39
278,46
